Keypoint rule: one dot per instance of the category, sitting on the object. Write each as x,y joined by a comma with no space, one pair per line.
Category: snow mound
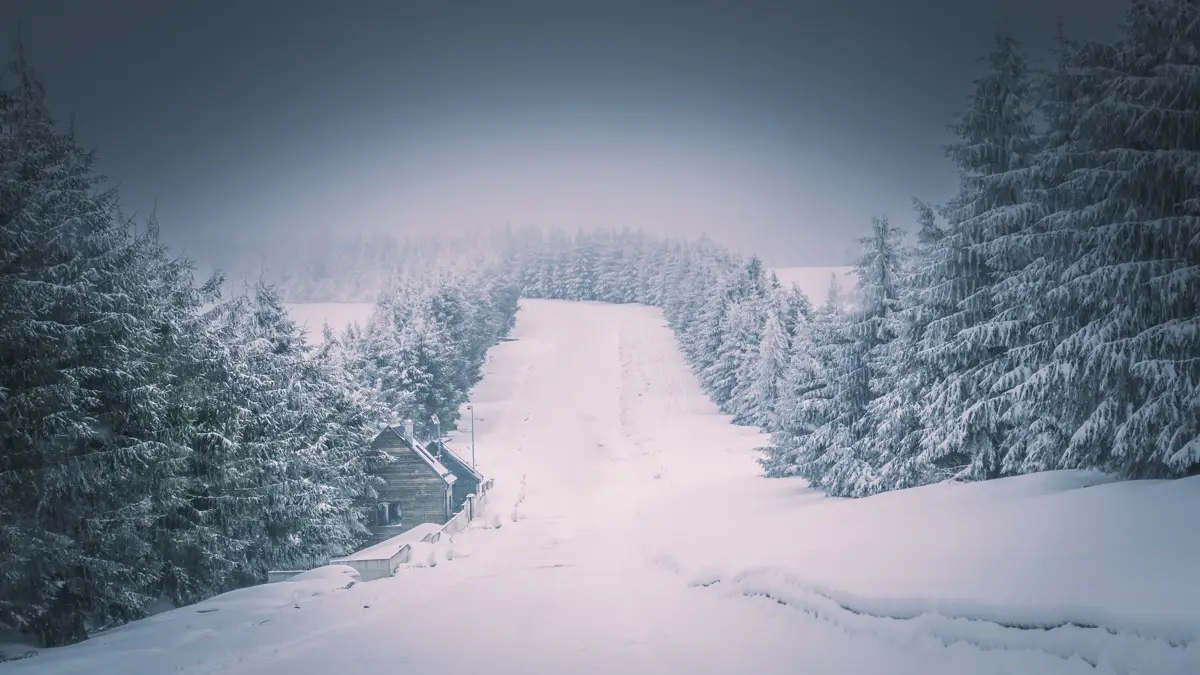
1068,563
186,633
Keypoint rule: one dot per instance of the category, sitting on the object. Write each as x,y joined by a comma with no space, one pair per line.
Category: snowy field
814,281
629,533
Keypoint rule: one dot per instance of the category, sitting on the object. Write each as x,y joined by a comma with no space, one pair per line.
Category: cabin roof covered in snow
421,451
459,464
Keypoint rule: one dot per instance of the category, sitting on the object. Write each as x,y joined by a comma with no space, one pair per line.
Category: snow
434,463
391,546
313,316
814,281
628,531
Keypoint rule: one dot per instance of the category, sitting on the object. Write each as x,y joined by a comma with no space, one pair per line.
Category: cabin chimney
408,432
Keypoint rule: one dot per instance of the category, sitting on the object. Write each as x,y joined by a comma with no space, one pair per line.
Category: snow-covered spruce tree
581,283
806,407
1122,257
691,303
90,316
735,363
612,282
796,308
422,364
759,398
964,416
652,270
301,466
503,293
377,359
200,557
849,467
464,332
673,285
203,550
425,344
731,325
706,339
353,416
902,373
798,407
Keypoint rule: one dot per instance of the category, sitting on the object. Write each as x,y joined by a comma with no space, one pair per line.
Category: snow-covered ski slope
630,533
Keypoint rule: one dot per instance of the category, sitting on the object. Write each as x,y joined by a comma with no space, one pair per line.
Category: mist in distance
777,128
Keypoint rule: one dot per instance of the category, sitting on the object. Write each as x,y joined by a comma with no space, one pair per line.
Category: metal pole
472,408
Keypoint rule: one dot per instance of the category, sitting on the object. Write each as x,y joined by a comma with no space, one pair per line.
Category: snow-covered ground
313,317
814,281
629,532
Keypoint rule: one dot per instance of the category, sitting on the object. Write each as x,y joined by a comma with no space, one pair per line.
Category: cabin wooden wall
465,483
411,483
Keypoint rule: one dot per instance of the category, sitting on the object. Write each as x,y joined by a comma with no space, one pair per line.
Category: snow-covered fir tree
902,373
732,372
1120,277
95,325
847,465
760,397
801,396
809,426
963,419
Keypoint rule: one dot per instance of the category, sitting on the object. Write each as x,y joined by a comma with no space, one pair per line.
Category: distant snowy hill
314,315
814,281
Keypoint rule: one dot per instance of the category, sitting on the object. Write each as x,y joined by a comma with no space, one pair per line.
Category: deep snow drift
629,532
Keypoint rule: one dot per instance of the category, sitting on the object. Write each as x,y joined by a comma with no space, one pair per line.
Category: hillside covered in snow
630,531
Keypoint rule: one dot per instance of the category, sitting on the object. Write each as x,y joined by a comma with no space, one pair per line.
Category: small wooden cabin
418,488
468,478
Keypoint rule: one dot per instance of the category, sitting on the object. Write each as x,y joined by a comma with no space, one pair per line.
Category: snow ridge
913,622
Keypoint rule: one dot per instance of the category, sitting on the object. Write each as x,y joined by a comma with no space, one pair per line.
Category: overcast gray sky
777,127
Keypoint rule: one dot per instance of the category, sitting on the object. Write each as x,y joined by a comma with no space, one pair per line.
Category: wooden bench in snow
383,559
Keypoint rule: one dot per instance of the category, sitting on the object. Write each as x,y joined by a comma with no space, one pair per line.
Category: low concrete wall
479,504
459,522
370,569
378,561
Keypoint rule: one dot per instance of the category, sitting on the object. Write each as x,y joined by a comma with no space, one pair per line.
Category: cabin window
394,513
381,514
